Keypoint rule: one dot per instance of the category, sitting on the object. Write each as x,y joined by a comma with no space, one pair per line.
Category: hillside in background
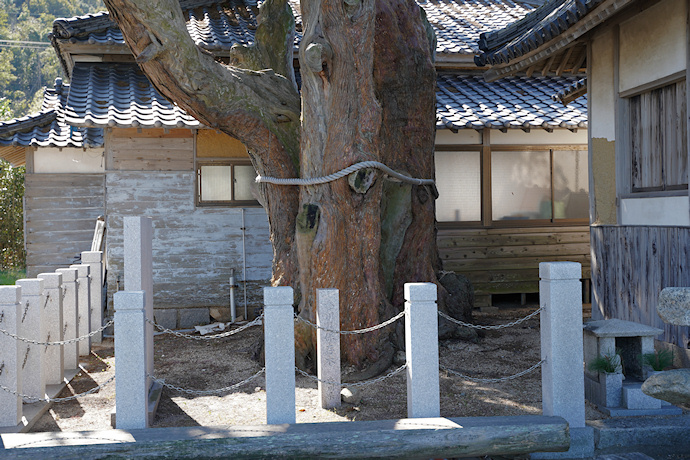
25,68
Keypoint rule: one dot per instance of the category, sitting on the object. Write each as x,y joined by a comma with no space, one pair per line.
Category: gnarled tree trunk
368,93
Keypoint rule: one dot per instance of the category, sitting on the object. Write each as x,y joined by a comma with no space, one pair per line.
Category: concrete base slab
636,433
32,412
622,412
155,393
581,446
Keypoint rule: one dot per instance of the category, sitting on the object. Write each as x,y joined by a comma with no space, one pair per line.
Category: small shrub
10,276
606,363
659,360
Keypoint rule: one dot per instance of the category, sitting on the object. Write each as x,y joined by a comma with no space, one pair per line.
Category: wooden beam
579,61
403,438
564,61
548,65
530,71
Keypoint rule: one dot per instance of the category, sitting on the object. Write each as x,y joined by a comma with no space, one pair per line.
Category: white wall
661,211
653,44
602,101
53,160
539,137
463,136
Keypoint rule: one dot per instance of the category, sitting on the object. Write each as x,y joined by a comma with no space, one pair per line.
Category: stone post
83,308
562,373
279,334
11,357
328,347
138,241
32,326
131,388
70,315
94,259
54,354
421,347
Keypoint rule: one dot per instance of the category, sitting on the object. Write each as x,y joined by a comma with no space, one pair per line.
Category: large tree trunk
368,93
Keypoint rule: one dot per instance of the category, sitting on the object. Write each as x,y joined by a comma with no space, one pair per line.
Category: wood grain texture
630,267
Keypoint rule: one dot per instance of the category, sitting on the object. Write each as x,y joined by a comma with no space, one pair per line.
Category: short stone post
138,241
70,315
562,373
421,348
131,388
279,334
83,308
32,326
328,347
94,259
11,357
54,354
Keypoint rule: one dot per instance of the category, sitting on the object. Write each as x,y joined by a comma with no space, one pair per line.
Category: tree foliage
12,254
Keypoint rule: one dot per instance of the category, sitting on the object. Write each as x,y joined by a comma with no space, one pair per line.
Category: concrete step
634,398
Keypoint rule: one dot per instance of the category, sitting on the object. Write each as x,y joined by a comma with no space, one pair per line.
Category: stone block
70,315
672,386
634,398
83,307
581,445
94,259
674,306
54,355
328,347
10,373
33,326
190,317
166,317
560,271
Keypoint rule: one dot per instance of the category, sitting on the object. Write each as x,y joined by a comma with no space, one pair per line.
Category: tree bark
368,93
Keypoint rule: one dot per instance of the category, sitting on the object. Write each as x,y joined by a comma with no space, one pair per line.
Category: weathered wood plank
65,202
63,180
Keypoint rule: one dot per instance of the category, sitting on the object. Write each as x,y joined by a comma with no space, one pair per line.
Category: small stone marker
70,315
328,347
279,334
94,259
421,346
674,306
11,360
32,326
83,308
54,354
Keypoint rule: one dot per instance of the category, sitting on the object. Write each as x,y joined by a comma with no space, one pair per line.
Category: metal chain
206,392
358,331
500,326
206,337
69,398
354,384
63,342
502,379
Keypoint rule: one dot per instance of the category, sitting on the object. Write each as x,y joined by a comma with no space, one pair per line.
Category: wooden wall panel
134,153
194,248
61,212
506,260
630,267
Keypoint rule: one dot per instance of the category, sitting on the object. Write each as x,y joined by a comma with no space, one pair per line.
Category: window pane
570,184
244,182
458,179
215,183
521,185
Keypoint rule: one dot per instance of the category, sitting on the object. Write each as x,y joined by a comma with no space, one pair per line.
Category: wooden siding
630,267
60,212
194,248
151,150
506,260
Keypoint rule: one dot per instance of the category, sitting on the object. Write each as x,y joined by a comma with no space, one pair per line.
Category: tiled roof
48,128
571,92
217,25
108,95
468,101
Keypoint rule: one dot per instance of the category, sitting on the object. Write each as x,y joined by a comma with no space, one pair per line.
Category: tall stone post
94,259
83,308
11,356
32,326
328,347
279,334
131,388
421,347
54,354
138,240
562,373
70,315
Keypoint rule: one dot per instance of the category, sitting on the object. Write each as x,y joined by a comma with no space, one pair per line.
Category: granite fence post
138,241
70,315
279,334
11,355
131,388
32,326
83,308
562,374
328,347
421,347
54,354
94,259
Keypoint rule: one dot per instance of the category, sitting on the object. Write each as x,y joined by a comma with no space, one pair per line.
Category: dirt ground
219,363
